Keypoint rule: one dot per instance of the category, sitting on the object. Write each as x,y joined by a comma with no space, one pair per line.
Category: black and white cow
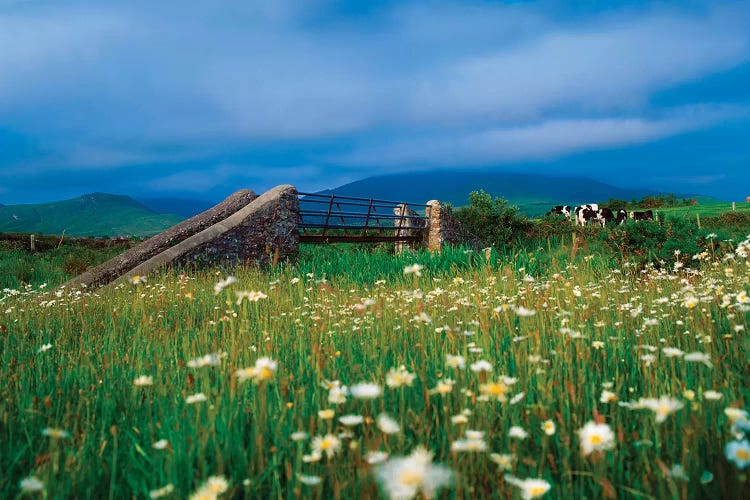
561,210
586,213
622,216
604,215
647,215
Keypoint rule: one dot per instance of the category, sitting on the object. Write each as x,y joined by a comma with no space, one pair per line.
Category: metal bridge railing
327,218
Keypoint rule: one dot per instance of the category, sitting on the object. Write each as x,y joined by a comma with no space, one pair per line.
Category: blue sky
197,99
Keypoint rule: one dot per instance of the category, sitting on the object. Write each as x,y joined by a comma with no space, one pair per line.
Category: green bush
661,243
492,219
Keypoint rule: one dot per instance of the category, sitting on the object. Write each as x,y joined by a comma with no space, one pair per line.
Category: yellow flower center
596,439
325,444
410,477
265,373
743,454
496,389
538,490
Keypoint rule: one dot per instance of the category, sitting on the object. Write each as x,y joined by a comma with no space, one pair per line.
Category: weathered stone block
115,267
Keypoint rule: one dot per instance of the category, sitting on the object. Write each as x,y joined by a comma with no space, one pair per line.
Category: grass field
530,372
705,210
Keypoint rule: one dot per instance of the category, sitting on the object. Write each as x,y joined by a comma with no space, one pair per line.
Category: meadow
512,373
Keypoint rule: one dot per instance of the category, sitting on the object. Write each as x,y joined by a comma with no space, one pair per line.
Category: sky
197,99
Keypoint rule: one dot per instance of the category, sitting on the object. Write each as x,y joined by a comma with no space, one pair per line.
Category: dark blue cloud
178,98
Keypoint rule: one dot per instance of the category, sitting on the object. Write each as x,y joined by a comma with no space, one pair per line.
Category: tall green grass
352,316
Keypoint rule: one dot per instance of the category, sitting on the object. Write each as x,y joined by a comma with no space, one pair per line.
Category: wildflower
523,312
712,395
498,390
55,433
309,480
45,347
707,477
376,457
459,419
387,425
299,436
252,296
213,359
326,414
597,344
738,452
415,269
398,377
160,444
221,285
366,391
31,484
504,460
608,396
455,361
406,477
517,432
595,437
677,472
311,458
473,442
423,317
517,398
351,420
735,414
672,352
161,492
328,444
481,366
699,357
143,381
689,394
263,370
662,407
137,279
690,302
531,487
196,398
549,428
444,386
337,394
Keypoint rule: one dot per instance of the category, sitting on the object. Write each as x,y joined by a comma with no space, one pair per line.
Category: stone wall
445,229
265,231
115,267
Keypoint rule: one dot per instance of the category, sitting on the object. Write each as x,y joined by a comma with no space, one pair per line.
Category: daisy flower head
264,369
328,444
55,433
530,487
387,425
738,452
455,362
31,484
144,381
414,269
399,377
406,477
549,427
595,437
662,407
366,390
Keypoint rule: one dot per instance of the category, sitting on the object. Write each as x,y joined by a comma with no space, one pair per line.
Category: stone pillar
445,229
408,217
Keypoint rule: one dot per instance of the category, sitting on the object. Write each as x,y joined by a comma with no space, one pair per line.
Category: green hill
96,214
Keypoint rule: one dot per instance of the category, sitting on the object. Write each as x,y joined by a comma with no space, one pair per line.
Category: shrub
492,219
660,243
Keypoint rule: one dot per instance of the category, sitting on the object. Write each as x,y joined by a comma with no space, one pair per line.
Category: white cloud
543,140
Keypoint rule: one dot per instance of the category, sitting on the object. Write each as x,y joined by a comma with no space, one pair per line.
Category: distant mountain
534,194
181,206
96,214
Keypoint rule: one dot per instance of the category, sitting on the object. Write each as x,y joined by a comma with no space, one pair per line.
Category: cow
622,216
604,215
560,210
585,213
647,215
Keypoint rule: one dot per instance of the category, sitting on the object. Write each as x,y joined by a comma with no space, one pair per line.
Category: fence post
698,219
734,206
